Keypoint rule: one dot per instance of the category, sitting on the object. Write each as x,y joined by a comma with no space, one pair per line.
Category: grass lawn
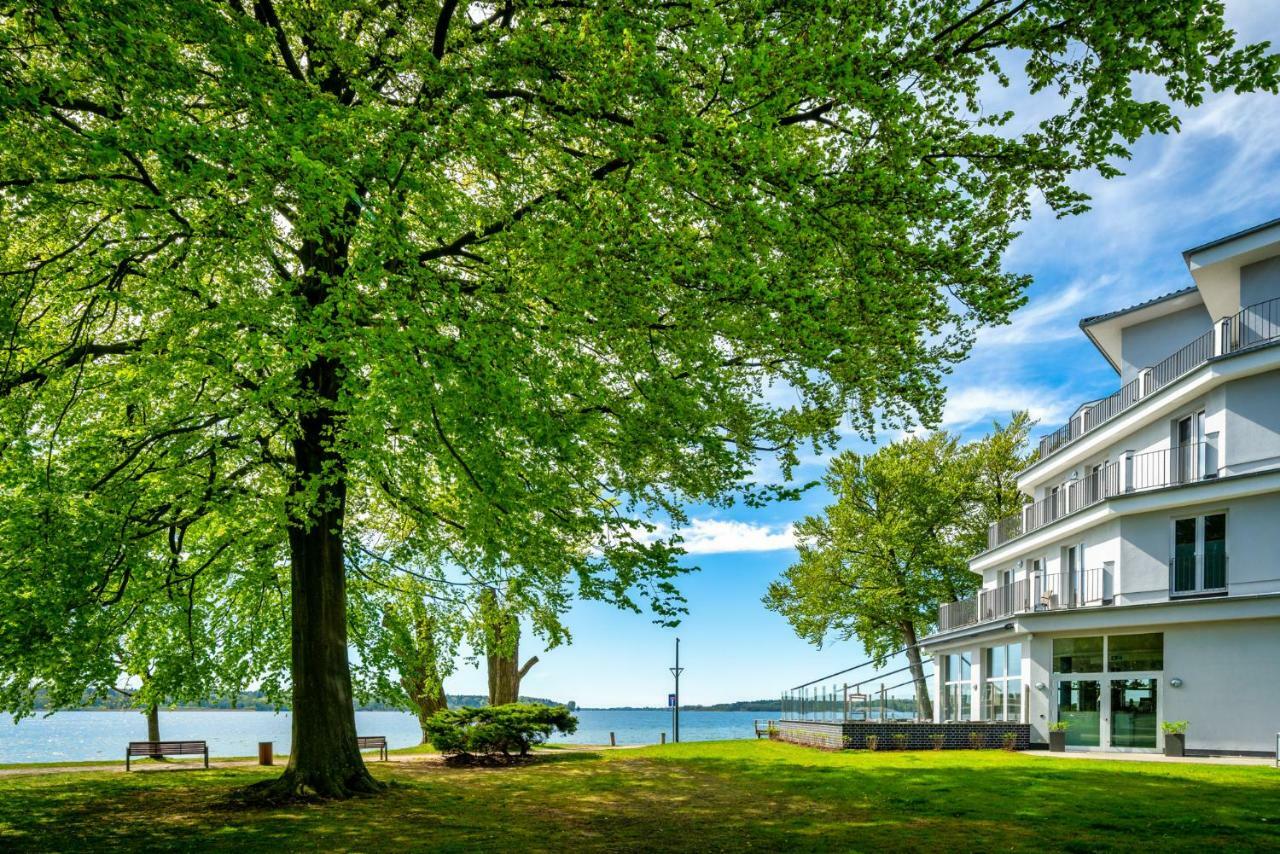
695,796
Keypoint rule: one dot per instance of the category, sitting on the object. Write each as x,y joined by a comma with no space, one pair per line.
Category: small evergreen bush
493,730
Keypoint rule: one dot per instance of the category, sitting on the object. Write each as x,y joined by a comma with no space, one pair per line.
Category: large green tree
895,543
525,268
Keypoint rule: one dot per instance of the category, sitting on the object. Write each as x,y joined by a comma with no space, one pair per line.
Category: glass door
1080,706
1134,713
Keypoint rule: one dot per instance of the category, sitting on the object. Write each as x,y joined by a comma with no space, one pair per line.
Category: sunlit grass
700,796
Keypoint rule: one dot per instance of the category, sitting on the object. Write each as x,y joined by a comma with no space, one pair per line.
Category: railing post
1222,337
1126,472
1147,375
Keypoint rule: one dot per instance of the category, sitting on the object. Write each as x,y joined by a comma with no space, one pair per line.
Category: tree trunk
427,704
923,702
153,722
503,655
324,759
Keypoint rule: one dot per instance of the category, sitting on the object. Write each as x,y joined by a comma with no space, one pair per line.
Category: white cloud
985,403
704,536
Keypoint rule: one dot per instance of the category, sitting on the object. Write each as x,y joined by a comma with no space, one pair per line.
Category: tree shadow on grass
908,802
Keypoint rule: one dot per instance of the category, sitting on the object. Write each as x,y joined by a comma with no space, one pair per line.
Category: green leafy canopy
518,275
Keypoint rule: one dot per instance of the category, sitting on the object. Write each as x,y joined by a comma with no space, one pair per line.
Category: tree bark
426,705
923,703
153,722
324,759
503,655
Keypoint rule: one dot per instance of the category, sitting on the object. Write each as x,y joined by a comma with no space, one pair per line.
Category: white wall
1230,690
1253,549
1252,423
1143,345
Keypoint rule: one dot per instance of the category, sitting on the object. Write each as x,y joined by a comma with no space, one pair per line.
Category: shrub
975,740
1009,741
873,741
900,740
938,740
1174,727
491,730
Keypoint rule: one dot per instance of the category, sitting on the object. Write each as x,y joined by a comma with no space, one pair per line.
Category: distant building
1141,584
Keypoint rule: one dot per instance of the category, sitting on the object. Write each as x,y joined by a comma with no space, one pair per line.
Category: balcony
1251,327
1184,464
1042,592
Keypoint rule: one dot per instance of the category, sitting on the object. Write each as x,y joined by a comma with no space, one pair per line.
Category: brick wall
852,735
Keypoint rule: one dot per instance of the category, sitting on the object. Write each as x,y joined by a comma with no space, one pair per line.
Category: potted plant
1058,736
1175,738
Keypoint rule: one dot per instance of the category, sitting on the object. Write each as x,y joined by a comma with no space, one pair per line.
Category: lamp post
675,709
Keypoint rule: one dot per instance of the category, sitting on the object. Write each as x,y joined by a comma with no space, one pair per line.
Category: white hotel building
1142,583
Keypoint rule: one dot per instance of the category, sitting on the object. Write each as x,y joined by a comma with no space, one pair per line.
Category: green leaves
896,542
511,282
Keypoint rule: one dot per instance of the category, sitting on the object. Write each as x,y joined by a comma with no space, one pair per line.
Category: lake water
76,736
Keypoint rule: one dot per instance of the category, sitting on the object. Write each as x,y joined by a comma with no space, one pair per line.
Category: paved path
143,766
1155,757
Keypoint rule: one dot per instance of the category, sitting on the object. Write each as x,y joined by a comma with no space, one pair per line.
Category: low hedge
493,730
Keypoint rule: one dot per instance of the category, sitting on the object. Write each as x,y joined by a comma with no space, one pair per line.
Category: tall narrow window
1215,552
957,687
1184,555
1002,686
1199,560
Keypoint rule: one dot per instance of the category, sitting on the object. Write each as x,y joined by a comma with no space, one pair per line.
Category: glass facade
1126,653
1129,705
1002,688
1077,655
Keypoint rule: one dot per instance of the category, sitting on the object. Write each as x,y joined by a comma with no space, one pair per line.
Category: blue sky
1220,174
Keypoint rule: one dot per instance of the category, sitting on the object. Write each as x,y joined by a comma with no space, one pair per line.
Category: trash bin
265,752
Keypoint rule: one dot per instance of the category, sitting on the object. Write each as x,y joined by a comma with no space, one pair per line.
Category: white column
1126,471
1147,375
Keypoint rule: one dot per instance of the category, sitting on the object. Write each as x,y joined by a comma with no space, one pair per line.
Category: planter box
1057,742
1175,744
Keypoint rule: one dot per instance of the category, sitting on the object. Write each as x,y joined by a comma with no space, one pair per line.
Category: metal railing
1187,463
1069,498
1054,591
1252,326
1183,464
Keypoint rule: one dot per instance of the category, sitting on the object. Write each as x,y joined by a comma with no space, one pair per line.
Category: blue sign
671,700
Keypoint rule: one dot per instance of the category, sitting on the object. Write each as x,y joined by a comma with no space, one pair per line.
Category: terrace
1250,327
1183,464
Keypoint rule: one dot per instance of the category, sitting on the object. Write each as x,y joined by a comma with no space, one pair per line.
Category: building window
1199,560
1077,655
1124,654
957,687
1002,687
1129,653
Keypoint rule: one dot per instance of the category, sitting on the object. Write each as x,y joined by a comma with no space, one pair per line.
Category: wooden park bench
166,748
370,742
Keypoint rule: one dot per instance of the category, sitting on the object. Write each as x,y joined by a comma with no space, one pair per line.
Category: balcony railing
1250,327
1055,591
1188,463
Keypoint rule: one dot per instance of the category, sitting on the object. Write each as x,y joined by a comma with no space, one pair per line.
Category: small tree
894,546
488,730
